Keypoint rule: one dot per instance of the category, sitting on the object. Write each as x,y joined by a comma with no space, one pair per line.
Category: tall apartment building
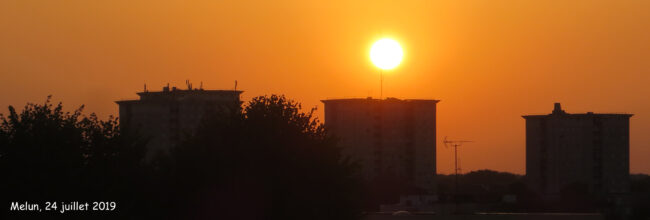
389,137
164,117
591,150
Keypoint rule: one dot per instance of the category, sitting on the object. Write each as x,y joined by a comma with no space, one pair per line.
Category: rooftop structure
165,117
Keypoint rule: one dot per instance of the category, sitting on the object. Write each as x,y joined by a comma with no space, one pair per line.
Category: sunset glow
489,62
293,109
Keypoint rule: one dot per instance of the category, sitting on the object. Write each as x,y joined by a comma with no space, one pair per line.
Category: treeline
480,186
269,160
47,154
507,192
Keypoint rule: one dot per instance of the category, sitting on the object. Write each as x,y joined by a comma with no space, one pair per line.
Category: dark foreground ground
504,216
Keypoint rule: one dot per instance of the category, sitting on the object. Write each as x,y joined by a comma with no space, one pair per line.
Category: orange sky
488,61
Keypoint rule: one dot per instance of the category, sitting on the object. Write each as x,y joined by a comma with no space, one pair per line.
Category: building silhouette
166,117
589,151
389,137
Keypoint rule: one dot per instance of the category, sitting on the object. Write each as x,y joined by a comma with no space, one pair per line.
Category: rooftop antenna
145,87
201,86
189,85
381,82
235,85
455,144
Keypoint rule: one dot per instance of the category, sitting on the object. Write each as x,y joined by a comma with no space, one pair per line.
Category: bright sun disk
386,54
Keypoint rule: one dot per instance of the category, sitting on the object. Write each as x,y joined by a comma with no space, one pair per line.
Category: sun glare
386,54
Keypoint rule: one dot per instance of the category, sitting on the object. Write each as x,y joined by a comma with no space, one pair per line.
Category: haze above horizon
488,61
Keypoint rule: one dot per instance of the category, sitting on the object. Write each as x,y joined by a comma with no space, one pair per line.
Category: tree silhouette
47,154
267,161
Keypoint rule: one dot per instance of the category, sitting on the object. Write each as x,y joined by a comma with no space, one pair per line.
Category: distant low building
388,137
164,117
578,150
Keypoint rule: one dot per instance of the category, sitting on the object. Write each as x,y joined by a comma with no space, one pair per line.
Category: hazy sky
489,61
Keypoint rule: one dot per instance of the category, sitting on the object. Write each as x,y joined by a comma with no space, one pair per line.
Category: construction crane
455,144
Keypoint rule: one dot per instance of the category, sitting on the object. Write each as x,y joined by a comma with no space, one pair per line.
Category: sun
386,54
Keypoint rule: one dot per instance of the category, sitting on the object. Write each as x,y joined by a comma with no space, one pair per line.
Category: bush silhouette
267,161
47,154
